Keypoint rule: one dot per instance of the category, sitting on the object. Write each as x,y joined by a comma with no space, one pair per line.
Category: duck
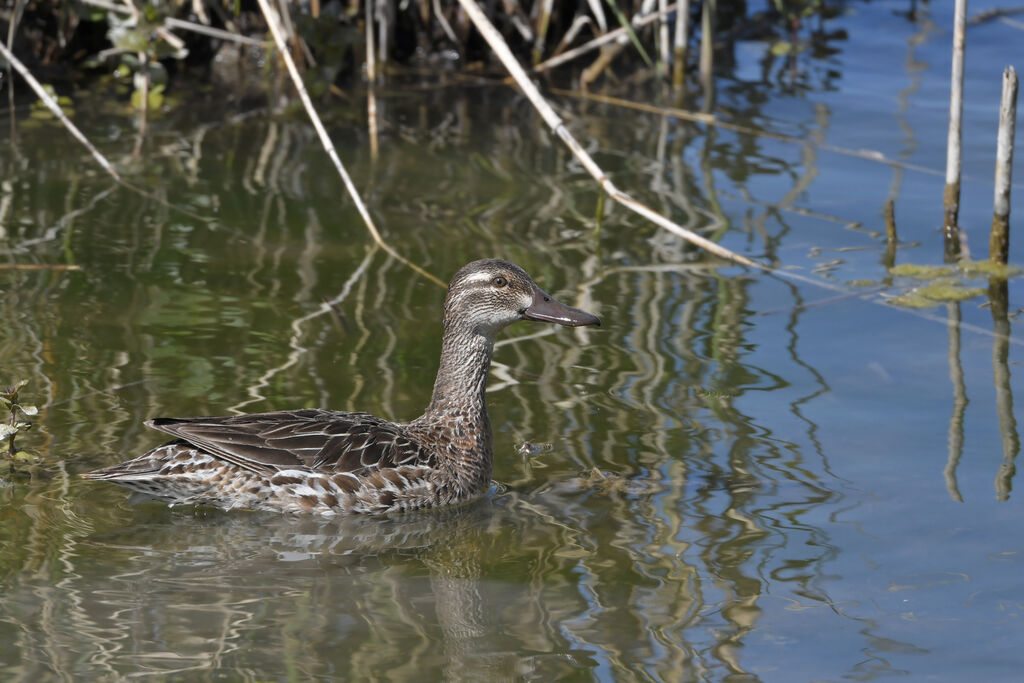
327,462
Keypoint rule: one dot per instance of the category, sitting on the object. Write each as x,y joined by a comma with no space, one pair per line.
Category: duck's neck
458,407
462,377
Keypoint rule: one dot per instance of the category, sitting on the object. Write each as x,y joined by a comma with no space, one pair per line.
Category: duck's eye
499,282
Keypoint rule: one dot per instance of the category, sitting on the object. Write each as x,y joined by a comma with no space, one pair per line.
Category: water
736,477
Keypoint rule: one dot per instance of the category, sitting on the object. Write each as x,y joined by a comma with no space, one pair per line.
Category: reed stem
999,238
951,193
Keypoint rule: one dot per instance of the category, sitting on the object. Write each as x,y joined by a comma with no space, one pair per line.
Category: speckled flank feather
326,462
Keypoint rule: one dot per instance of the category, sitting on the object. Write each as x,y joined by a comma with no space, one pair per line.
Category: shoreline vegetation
334,48
335,42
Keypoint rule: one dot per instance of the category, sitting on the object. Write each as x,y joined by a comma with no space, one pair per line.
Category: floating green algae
971,269
922,272
989,269
949,291
935,293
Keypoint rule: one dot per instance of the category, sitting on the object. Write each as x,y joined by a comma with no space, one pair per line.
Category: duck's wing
316,439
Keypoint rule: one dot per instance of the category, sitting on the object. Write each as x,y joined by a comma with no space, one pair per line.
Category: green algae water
737,477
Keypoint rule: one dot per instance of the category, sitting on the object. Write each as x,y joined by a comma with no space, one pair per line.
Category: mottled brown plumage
326,462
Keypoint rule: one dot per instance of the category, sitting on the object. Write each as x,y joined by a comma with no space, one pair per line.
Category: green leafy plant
139,43
9,402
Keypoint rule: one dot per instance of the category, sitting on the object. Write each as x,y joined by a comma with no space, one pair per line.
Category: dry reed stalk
371,77
951,193
603,39
212,32
371,122
445,26
590,74
52,105
707,53
679,43
554,121
371,57
578,23
999,238
663,41
543,21
325,140
38,266
598,10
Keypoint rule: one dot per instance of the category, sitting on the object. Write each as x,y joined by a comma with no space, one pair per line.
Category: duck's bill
547,309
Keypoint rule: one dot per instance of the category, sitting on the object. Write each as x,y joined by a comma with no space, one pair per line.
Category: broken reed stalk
554,121
891,240
681,38
999,238
325,140
951,193
52,105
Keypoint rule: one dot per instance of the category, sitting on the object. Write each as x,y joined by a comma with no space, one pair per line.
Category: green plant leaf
629,30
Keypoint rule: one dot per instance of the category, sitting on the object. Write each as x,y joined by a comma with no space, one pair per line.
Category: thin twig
328,146
52,105
554,121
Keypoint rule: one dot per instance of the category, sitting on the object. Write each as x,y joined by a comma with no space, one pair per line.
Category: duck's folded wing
316,439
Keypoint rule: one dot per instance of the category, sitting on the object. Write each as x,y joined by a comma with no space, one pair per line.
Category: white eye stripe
478,277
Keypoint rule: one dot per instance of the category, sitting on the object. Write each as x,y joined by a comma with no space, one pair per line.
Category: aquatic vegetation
9,402
947,283
976,269
941,291
922,272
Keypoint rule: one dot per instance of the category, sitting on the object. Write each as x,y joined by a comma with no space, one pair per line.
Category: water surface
738,476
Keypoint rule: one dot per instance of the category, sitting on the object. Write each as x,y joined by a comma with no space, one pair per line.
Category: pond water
739,476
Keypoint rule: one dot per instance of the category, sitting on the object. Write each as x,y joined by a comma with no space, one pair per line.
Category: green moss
922,272
989,269
913,300
945,290
934,293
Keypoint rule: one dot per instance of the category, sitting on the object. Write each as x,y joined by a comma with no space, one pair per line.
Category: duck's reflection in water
399,596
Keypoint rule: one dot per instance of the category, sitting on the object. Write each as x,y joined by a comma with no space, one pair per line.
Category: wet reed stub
999,238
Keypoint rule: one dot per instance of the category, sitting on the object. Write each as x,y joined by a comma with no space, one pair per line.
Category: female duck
326,462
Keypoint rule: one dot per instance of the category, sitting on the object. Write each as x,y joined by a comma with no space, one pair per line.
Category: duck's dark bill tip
552,311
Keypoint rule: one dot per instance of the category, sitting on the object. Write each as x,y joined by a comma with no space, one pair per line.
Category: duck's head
490,294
